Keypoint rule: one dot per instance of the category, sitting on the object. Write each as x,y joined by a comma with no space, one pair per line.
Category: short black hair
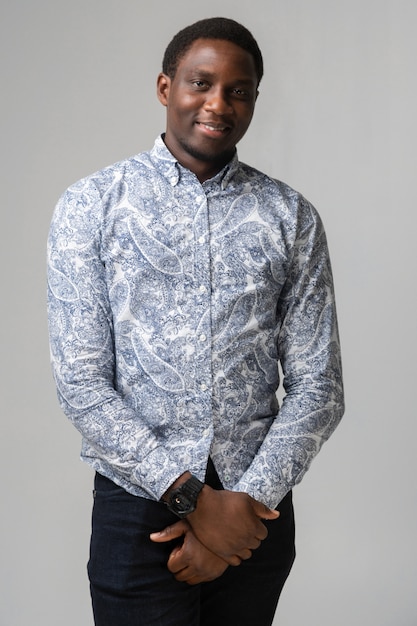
211,28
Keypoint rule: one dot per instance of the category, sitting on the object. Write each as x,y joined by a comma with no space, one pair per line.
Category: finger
175,558
254,544
234,560
255,541
245,554
195,581
170,532
261,534
183,575
175,566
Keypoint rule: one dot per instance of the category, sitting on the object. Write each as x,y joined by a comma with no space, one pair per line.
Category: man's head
209,87
211,28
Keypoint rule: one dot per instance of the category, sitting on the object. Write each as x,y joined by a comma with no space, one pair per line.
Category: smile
212,128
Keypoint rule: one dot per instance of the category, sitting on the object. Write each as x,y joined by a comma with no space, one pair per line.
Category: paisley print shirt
172,304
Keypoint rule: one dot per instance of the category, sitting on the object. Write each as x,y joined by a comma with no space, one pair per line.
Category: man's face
210,103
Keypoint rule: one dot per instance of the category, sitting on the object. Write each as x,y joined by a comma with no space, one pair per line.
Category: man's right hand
229,523
190,562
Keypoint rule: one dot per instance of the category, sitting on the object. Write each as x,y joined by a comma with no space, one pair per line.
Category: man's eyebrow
202,73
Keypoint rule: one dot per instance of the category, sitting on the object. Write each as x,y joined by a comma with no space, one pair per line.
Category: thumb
264,512
170,532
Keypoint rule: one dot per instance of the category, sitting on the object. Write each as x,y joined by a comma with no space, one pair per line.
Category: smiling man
179,280
210,101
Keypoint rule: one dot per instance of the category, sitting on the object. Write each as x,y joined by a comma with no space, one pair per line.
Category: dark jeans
131,585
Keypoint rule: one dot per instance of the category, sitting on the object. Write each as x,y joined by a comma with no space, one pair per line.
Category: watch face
181,505
183,500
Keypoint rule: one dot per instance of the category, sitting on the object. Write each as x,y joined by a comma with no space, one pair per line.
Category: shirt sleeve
82,348
309,352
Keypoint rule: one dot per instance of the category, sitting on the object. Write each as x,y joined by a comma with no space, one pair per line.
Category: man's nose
217,102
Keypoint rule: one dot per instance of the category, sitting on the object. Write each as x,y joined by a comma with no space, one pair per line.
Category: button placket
202,297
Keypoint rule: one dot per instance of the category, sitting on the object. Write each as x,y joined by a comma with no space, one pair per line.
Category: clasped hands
223,530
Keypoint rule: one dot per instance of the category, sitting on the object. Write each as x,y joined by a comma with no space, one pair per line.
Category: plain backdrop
336,119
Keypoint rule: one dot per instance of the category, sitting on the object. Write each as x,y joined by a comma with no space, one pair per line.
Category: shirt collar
169,167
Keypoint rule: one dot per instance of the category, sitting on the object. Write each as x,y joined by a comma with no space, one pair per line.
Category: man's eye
199,83
241,92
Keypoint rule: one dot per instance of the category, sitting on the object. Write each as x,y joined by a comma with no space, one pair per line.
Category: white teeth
214,127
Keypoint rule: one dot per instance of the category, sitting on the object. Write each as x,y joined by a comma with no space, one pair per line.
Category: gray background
336,119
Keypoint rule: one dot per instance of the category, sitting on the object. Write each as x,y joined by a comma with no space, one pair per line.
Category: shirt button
202,289
173,180
203,337
203,387
201,239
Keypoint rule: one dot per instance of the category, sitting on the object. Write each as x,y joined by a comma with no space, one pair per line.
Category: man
178,280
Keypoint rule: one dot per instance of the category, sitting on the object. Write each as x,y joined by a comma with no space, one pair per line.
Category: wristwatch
183,499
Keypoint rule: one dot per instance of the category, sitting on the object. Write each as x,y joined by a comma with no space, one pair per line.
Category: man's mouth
213,128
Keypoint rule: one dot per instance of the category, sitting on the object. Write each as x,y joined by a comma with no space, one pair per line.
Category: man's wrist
177,483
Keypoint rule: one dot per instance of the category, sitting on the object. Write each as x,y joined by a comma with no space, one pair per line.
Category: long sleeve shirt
172,304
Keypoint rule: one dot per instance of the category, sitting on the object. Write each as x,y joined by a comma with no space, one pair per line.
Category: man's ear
163,84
